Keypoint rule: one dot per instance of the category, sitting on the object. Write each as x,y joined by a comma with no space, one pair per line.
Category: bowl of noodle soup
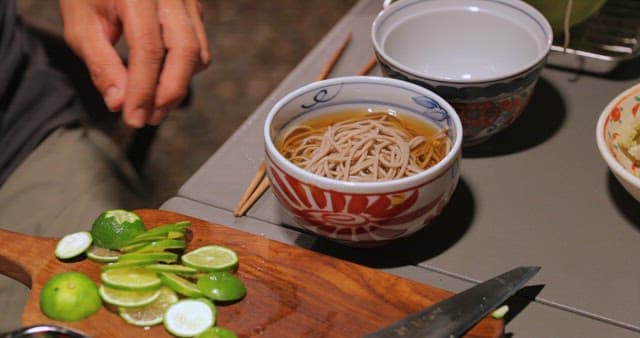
362,160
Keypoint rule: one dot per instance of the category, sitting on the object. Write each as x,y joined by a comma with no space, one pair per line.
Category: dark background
254,45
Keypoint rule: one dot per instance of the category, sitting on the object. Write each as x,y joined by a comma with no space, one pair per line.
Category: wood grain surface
291,291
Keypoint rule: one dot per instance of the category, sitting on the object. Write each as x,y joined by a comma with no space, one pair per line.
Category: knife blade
455,315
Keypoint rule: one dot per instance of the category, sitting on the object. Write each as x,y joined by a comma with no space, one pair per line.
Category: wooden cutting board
291,291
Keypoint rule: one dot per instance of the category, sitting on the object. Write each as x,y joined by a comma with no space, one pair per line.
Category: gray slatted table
537,194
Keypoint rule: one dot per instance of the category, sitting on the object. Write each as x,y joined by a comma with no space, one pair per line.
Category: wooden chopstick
334,59
260,182
368,66
250,194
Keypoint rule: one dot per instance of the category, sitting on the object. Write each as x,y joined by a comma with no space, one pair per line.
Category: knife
454,316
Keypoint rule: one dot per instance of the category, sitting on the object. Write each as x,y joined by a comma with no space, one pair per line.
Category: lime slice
172,268
73,245
114,228
141,259
133,247
188,318
151,314
126,265
175,235
145,239
217,332
166,257
102,255
222,286
127,298
179,284
162,245
70,296
165,229
211,258
131,279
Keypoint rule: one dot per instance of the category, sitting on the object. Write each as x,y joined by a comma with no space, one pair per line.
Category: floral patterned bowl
483,56
618,122
362,213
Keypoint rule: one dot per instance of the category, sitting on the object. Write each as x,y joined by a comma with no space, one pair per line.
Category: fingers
194,9
146,55
93,43
187,53
167,45
181,60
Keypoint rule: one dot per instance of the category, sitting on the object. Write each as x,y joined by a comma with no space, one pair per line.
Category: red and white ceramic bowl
619,120
362,213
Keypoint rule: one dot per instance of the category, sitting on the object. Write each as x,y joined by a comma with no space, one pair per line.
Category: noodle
370,147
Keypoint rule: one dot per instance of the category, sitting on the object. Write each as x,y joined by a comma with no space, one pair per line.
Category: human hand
167,46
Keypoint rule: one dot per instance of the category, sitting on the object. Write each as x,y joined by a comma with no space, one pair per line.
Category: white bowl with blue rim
362,213
483,56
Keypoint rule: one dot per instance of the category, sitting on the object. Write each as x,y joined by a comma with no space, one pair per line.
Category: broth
360,145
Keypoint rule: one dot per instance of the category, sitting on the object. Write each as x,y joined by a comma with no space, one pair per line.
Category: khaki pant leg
72,177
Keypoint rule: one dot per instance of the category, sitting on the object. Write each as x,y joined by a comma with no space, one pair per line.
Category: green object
73,245
131,279
189,317
102,255
172,268
166,257
211,258
114,228
179,284
161,245
500,312
217,332
70,296
222,286
151,314
126,265
127,298
554,11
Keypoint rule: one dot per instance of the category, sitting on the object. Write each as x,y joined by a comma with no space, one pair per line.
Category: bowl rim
531,65
364,187
605,152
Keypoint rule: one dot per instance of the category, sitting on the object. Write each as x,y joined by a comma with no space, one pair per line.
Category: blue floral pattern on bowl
484,110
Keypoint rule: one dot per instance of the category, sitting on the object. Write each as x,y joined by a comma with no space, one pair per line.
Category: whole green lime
70,296
114,228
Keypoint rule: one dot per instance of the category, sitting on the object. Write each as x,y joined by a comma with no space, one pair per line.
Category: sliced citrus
73,245
131,279
166,257
70,296
125,265
217,332
162,245
179,284
127,298
133,247
114,228
144,239
222,286
172,268
102,255
151,314
175,234
211,258
166,228
188,318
